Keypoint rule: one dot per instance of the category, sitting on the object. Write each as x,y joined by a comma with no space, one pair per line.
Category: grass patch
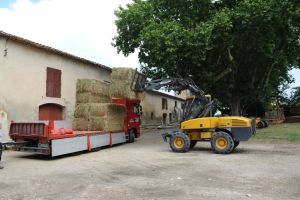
288,132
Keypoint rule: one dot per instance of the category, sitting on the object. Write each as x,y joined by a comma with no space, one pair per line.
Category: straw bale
112,120
80,124
87,97
93,86
84,110
121,80
96,124
99,116
105,123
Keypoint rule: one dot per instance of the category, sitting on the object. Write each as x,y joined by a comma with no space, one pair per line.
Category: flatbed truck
56,138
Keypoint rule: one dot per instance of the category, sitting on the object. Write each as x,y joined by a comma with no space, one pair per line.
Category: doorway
50,111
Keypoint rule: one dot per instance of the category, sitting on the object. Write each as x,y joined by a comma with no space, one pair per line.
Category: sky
83,28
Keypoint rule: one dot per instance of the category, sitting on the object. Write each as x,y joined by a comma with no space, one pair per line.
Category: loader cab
194,106
137,109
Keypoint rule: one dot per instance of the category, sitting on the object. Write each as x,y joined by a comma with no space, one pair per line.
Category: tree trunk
235,107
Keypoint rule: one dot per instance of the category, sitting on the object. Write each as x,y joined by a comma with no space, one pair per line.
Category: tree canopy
239,51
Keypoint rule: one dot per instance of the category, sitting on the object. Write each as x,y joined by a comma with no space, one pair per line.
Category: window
175,104
170,117
53,83
152,115
165,118
164,104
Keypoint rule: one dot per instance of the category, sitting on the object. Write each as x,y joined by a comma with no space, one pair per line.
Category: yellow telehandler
224,133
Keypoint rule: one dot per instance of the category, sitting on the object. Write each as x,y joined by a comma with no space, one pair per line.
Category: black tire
193,143
265,123
260,125
179,142
222,143
236,143
131,136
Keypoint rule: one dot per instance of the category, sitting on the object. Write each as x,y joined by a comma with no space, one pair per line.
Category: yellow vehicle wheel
260,125
222,143
179,142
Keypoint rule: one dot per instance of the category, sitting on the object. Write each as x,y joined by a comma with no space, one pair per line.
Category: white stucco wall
152,103
23,79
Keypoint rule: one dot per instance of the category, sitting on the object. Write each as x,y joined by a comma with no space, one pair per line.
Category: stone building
161,109
39,82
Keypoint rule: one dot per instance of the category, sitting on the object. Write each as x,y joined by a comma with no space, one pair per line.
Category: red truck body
57,137
132,119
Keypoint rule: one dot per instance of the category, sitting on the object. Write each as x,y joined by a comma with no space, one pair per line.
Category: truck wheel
236,143
179,142
193,143
131,136
222,143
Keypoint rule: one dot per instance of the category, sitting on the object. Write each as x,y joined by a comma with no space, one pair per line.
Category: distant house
39,82
161,109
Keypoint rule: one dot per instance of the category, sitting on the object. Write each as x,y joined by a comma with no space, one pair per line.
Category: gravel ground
148,169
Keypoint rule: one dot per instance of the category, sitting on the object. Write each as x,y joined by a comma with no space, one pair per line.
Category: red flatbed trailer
57,138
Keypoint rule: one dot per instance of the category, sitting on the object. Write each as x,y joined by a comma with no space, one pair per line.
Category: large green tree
239,51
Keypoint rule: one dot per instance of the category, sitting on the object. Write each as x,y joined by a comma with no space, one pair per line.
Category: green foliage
240,51
295,97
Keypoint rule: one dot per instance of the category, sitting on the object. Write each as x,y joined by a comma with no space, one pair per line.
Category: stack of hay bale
94,110
121,80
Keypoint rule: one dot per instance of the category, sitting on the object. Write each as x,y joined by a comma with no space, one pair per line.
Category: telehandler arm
197,106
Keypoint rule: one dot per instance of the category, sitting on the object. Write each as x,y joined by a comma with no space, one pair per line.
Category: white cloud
83,28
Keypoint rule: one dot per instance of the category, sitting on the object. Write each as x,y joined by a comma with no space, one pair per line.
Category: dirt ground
148,169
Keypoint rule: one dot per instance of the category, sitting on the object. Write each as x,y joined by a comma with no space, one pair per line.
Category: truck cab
132,121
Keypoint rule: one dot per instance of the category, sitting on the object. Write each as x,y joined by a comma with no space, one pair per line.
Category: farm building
39,83
160,108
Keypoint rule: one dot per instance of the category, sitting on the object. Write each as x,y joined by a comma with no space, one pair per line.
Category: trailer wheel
222,143
179,142
131,136
193,143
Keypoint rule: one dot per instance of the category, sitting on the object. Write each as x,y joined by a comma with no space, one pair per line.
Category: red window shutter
53,83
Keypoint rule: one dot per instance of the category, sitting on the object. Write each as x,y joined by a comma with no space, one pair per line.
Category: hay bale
105,123
96,124
110,118
82,111
92,86
80,124
88,97
120,87
85,110
99,116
